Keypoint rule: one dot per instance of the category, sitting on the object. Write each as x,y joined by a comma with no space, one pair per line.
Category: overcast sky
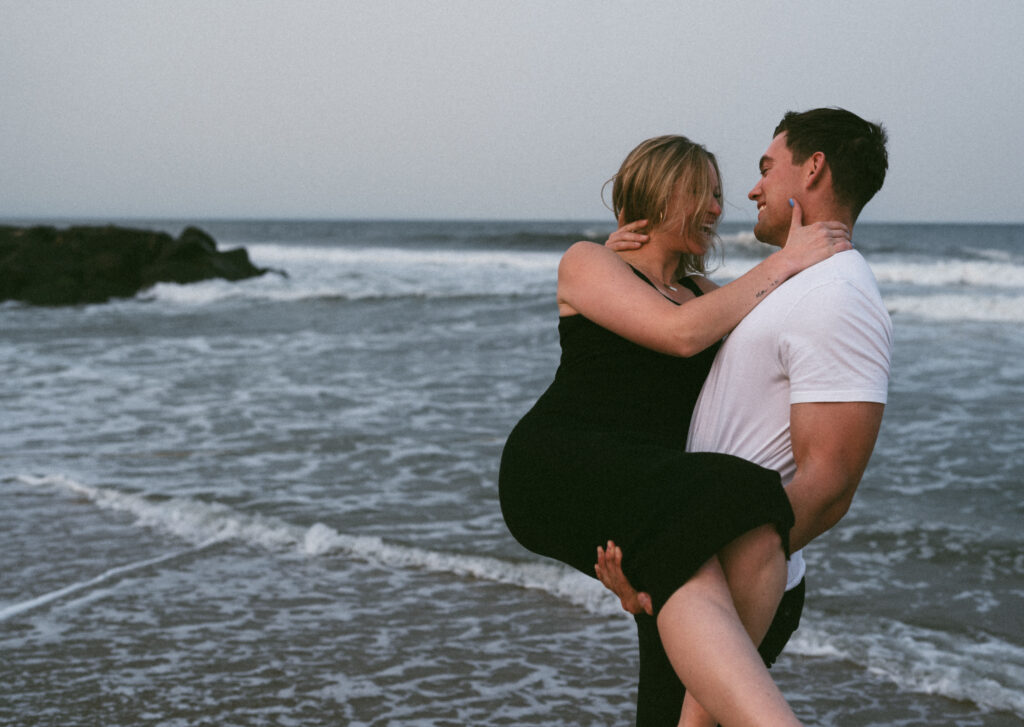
481,109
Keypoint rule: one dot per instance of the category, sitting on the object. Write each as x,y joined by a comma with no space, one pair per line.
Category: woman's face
677,228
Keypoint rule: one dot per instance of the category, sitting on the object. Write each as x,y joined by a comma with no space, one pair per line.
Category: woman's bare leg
714,656
755,569
755,572
695,715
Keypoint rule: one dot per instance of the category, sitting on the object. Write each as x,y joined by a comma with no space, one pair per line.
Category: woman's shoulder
587,250
586,258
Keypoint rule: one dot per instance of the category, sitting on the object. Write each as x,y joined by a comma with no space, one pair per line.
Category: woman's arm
594,282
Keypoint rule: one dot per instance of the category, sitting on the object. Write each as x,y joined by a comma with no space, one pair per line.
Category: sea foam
942,289
982,669
952,307
204,523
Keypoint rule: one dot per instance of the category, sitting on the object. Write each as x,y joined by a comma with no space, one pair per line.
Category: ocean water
274,502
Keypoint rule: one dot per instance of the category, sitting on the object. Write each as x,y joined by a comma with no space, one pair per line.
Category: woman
600,456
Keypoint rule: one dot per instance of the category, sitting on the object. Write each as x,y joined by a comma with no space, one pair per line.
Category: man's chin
768,237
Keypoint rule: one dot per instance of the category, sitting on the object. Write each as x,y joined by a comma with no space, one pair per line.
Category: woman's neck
658,264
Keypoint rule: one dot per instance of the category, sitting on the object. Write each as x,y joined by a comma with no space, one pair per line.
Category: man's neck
829,214
813,213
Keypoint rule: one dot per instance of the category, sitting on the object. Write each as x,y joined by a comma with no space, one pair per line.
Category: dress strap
691,284
642,277
687,283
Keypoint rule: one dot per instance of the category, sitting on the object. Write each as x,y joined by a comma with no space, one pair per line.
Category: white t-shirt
823,336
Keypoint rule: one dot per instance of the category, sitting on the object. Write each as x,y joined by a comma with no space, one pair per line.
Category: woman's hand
609,572
807,245
628,237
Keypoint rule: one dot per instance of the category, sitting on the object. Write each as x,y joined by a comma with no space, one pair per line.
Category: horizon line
36,219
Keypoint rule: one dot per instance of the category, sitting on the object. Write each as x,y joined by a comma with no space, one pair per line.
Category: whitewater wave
978,290
348,274
983,274
966,307
203,523
982,669
284,255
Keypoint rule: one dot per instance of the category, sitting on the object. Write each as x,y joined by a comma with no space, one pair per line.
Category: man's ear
815,169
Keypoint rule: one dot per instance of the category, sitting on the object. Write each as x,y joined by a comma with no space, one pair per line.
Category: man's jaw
761,205
764,234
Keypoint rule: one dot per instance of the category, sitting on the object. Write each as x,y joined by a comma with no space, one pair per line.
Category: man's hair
652,173
854,150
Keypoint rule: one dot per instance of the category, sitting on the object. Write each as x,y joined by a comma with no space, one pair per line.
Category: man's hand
809,244
609,571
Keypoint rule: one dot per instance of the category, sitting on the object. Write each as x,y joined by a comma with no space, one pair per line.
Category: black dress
601,456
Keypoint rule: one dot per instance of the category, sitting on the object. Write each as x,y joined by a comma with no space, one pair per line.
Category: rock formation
49,266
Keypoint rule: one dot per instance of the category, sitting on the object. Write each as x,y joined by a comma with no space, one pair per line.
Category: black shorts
786,621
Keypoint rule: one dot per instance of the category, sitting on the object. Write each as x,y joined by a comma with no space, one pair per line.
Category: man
800,385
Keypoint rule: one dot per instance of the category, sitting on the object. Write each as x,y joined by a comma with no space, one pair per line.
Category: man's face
780,180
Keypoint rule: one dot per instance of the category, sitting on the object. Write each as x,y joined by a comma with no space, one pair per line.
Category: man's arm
832,443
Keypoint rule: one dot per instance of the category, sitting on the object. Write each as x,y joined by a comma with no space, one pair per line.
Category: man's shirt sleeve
836,345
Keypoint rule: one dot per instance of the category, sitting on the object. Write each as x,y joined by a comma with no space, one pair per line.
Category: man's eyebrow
764,159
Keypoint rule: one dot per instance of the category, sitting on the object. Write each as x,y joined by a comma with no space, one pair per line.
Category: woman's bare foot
609,571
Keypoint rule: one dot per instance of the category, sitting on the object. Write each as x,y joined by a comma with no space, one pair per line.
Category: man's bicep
832,443
841,433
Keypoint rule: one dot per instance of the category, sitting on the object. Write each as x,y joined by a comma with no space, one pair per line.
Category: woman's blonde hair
652,173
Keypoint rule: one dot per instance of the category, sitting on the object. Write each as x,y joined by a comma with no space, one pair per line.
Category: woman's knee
767,538
757,549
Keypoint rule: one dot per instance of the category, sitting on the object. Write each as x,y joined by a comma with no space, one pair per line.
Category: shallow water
274,502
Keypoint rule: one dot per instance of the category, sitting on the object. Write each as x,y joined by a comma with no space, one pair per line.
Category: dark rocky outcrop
49,266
